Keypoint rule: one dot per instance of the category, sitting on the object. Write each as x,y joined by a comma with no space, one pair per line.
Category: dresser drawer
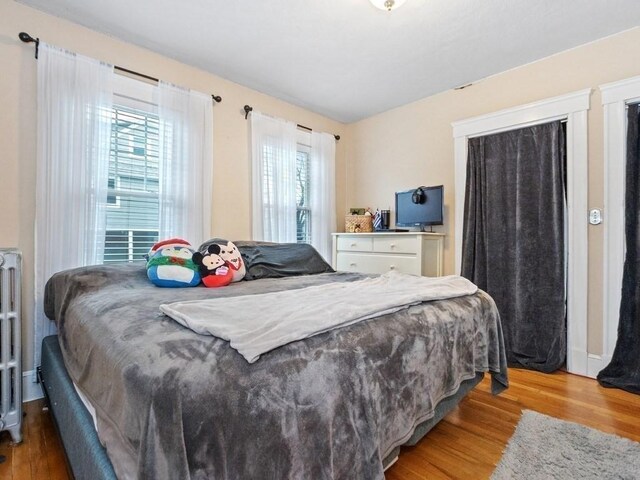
390,244
367,263
354,243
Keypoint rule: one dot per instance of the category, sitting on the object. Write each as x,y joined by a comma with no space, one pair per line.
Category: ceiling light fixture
387,4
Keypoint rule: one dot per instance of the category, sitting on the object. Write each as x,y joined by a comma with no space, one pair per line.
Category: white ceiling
344,58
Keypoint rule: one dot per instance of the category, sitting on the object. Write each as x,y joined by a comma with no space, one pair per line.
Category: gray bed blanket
293,315
172,404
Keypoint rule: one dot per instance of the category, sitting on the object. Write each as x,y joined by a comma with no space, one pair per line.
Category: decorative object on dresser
415,253
10,355
358,222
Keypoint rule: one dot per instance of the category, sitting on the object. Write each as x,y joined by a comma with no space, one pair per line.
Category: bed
171,403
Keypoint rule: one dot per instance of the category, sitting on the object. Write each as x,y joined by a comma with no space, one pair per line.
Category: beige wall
231,197
413,145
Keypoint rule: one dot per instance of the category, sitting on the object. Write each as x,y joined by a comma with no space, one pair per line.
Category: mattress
87,405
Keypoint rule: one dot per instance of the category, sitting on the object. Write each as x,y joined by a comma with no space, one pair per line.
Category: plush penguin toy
214,270
170,264
230,254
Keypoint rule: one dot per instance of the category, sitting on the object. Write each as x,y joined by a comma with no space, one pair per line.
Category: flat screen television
429,209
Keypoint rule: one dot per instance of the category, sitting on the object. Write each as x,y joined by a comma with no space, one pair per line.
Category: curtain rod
26,38
248,109
217,98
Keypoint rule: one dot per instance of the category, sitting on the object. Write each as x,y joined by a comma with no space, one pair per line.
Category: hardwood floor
40,455
467,444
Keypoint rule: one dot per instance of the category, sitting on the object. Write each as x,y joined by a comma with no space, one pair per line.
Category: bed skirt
87,457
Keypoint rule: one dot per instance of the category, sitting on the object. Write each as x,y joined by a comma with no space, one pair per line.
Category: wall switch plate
595,216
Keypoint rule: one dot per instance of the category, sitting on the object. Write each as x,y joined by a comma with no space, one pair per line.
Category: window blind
133,189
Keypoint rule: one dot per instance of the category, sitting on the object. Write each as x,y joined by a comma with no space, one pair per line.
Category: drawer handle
354,244
352,264
392,267
393,245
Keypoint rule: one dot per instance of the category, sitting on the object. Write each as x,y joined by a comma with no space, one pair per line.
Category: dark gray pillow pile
276,260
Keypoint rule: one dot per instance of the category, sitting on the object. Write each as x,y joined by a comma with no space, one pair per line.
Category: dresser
416,253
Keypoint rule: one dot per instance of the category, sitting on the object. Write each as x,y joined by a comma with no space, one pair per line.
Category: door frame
615,98
573,108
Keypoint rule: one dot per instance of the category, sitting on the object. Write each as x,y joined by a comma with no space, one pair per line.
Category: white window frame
615,98
573,108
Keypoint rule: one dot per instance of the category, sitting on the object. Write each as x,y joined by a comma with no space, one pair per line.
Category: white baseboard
577,361
595,363
586,364
30,389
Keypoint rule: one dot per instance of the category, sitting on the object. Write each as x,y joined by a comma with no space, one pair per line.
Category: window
132,201
112,199
292,174
303,210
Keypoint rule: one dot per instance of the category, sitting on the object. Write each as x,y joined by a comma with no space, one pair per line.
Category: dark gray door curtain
624,369
513,241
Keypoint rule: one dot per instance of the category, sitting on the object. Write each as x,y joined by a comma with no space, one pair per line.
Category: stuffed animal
230,254
170,264
214,270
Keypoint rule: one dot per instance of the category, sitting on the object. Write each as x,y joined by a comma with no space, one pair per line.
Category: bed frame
86,456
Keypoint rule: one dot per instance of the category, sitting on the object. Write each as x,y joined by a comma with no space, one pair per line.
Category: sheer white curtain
273,157
186,163
74,130
323,192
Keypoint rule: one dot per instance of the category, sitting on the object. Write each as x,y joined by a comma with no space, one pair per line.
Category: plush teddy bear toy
170,264
230,254
214,270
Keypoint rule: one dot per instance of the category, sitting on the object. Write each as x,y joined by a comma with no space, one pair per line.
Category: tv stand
417,253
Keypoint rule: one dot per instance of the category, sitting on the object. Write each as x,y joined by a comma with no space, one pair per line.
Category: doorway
571,108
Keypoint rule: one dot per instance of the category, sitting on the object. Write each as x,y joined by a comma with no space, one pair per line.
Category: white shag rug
544,447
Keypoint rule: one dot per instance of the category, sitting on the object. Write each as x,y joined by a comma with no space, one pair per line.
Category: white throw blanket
256,324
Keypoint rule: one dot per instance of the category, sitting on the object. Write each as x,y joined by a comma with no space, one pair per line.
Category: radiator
10,370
